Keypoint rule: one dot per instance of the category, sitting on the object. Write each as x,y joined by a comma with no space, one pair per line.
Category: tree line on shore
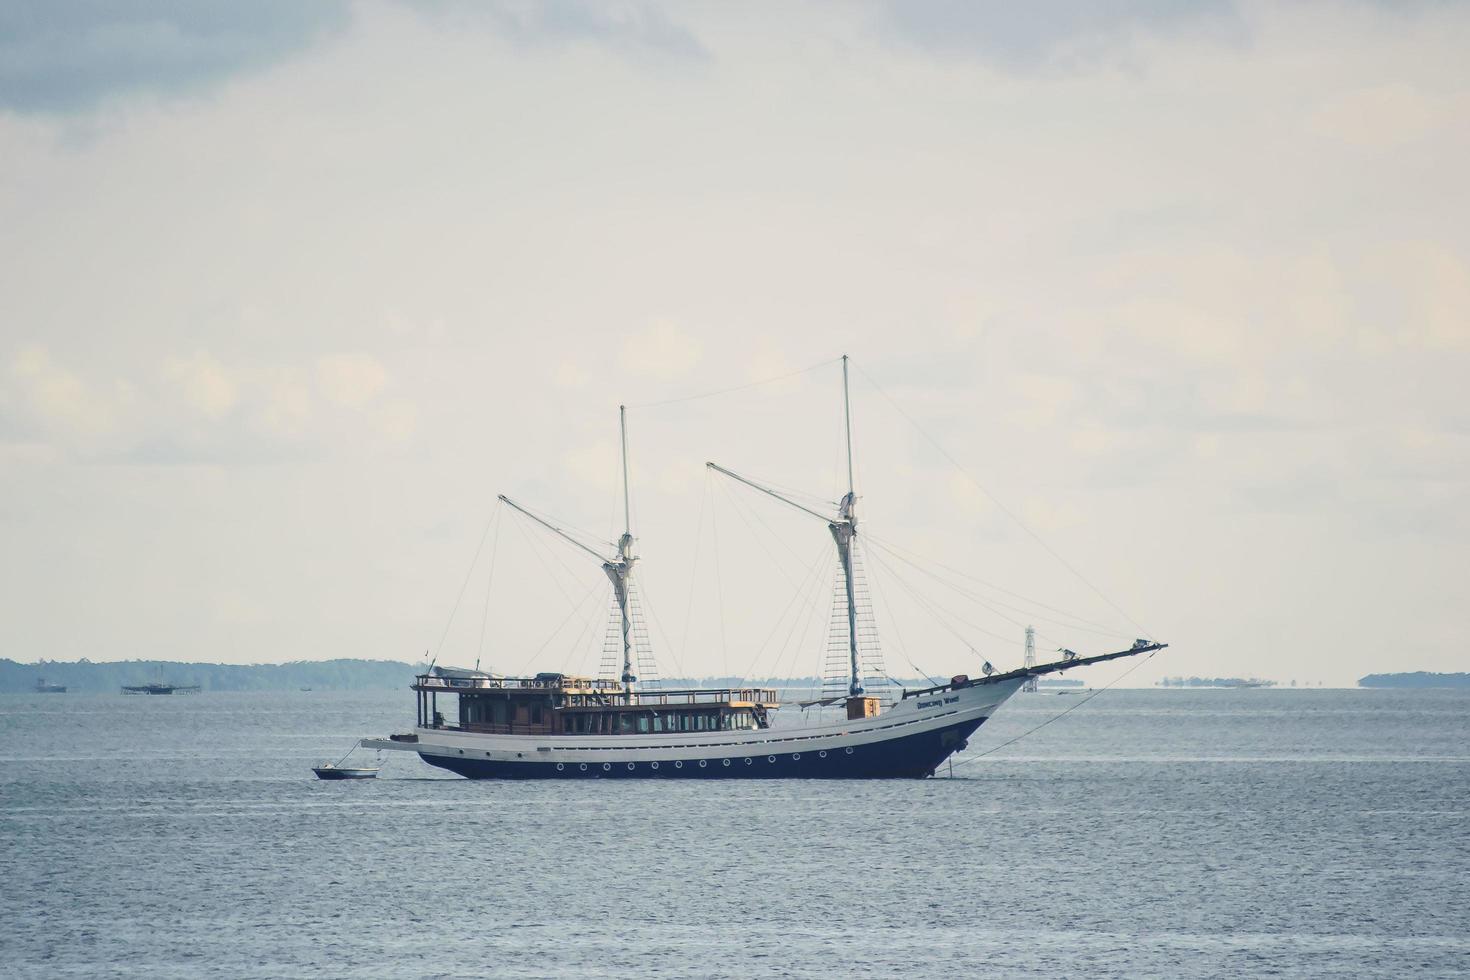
85,676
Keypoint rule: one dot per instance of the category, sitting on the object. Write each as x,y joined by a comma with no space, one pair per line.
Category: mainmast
620,569
843,528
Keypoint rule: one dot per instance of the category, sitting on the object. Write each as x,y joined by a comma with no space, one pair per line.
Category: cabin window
643,724
535,714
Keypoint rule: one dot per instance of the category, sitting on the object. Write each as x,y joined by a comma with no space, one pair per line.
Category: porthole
653,765
630,765
559,767
583,767
461,751
678,765
703,763
849,750
607,767
822,754
796,757
770,758
747,760
727,762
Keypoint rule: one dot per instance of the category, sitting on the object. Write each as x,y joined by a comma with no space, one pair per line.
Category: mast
847,422
620,570
843,528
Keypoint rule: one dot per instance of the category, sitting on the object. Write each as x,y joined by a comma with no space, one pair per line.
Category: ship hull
909,741
906,757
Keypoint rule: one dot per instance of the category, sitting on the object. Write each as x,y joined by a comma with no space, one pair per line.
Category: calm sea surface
1148,833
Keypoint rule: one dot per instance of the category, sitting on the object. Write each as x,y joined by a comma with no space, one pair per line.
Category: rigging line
897,634
800,590
801,498
714,525
1005,510
757,539
473,562
811,588
560,626
1062,714
589,626
726,391
557,555
550,573
915,556
819,612
987,603
694,568
934,609
553,523
658,625
485,616
762,522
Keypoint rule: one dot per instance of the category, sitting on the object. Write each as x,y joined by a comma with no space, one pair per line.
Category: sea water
1145,833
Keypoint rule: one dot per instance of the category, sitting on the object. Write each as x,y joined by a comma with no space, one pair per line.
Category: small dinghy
336,770
330,771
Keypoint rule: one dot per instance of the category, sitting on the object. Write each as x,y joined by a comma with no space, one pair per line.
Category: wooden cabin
564,704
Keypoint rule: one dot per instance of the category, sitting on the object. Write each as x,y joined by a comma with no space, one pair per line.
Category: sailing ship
563,726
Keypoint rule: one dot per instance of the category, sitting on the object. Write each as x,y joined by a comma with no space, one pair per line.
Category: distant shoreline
88,677
1418,678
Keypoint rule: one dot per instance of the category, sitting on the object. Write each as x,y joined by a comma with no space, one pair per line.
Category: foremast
619,567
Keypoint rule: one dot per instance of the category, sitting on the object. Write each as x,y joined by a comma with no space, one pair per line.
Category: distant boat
161,689
43,688
329,771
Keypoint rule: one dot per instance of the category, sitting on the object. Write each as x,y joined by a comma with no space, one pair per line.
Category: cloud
663,350
570,374
351,380
70,55
54,398
636,28
1378,116
204,382
289,407
1028,35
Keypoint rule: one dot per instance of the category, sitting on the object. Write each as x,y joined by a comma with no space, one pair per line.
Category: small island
1215,682
1418,678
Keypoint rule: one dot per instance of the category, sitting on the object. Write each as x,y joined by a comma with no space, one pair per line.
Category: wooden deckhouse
563,704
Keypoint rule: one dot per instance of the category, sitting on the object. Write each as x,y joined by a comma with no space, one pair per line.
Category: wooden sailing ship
564,726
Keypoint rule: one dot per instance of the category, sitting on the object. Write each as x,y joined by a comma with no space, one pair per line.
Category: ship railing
433,682
759,695
492,728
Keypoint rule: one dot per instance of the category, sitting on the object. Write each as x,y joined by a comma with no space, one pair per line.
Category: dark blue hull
906,757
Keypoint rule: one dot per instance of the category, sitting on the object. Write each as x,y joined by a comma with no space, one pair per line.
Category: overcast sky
289,292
